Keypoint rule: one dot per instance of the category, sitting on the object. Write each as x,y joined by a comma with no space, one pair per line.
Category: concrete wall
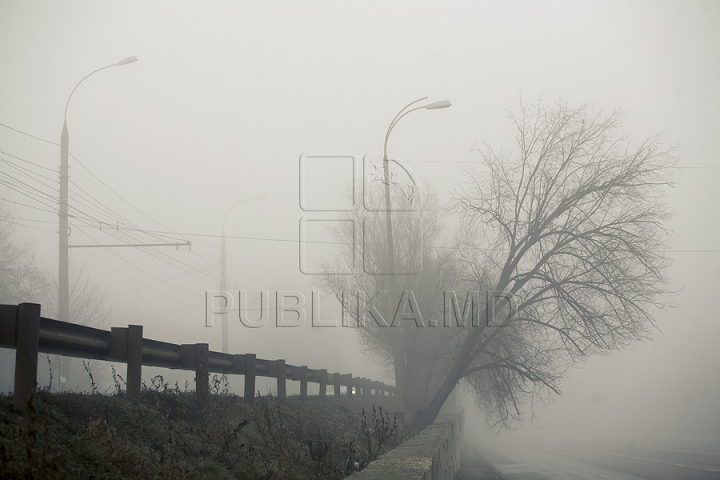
434,454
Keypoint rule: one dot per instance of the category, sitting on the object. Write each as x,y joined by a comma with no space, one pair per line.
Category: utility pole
63,268
63,275
63,231
223,274
223,287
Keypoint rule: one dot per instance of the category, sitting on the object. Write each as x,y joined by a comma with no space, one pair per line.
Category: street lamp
223,272
63,274
397,352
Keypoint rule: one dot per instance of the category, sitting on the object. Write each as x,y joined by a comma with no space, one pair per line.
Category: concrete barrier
433,454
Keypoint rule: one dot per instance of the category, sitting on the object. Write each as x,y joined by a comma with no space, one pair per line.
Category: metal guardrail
22,328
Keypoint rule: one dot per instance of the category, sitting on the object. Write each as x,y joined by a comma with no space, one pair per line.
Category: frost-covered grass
170,434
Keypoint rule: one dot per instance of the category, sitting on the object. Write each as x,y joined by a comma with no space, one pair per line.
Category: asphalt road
531,463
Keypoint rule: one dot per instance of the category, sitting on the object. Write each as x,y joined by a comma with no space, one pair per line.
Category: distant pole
223,288
63,274
223,274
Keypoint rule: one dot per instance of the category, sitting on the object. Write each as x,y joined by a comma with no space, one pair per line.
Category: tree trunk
431,411
457,371
454,375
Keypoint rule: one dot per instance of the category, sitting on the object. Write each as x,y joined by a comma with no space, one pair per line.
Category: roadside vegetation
170,434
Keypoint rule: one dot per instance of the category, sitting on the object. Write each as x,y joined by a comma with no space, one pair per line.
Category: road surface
533,463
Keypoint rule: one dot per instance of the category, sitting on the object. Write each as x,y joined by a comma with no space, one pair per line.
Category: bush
170,434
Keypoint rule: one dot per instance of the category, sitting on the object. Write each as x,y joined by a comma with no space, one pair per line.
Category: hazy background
226,97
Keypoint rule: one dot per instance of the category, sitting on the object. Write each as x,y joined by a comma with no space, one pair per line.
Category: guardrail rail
22,328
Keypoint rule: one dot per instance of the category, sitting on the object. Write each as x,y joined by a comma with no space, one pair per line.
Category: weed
50,375
117,379
377,433
29,456
230,439
86,365
168,434
220,385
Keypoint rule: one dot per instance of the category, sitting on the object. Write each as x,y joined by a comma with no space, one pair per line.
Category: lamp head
438,105
127,60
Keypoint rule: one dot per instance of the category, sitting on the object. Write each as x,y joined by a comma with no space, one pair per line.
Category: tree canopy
572,228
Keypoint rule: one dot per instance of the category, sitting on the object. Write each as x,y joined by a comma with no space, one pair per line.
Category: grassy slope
169,434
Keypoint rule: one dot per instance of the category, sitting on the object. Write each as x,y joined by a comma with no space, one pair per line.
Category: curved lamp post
397,338
63,269
223,272
386,165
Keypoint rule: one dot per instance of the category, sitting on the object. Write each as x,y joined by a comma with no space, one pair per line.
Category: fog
226,97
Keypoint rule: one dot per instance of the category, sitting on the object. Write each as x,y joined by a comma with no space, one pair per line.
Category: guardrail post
26,353
202,371
238,367
250,362
323,383
303,381
187,356
134,362
336,384
280,375
8,324
118,343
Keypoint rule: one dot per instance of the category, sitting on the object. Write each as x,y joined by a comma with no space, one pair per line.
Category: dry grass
170,434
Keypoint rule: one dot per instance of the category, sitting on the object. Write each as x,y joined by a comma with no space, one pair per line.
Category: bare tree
87,304
87,307
21,280
430,269
573,229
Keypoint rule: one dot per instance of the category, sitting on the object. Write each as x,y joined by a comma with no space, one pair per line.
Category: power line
83,216
691,251
27,161
144,286
30,206
2,219
26,219
90,202
87,169
269,239
28,134
145,271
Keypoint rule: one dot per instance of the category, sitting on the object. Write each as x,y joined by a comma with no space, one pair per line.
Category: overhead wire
142,270
99,213
89,202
